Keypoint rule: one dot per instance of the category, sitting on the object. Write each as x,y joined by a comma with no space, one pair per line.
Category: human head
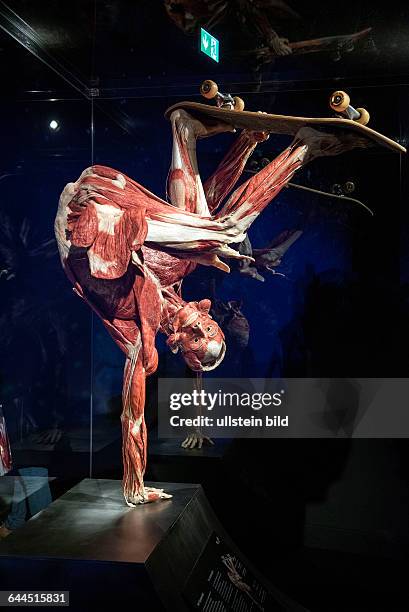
198,336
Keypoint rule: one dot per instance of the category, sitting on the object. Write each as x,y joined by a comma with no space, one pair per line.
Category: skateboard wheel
238,103
209,89
364,116
339,101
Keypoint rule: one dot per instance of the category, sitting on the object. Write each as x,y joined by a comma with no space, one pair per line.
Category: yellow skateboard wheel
209,89
364,116
238,103
339,101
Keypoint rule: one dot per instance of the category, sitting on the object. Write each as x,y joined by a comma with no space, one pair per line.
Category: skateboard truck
340,102
210,91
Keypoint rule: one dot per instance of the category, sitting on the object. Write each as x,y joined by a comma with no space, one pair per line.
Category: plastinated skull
198,336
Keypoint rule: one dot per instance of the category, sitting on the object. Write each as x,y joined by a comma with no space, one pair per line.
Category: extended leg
222,181
185,189
203,240
250,198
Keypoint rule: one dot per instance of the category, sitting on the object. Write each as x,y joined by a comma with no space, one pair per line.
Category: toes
154,494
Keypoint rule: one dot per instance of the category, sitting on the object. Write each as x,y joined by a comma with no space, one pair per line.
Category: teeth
208,368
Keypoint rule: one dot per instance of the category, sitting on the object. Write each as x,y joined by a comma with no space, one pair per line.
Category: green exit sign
209,45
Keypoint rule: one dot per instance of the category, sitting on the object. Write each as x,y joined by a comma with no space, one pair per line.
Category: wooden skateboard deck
284,124
337,44
327,43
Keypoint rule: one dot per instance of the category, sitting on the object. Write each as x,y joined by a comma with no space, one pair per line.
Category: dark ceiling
124,46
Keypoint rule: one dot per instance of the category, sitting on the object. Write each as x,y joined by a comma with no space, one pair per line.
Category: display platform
169,555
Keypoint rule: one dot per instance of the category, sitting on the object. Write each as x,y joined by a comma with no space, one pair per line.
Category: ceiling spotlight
54,125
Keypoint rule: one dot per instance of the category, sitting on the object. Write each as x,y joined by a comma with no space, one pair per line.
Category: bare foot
255,136
150,494
195,128
327,144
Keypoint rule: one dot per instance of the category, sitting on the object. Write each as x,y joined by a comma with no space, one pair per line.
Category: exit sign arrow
209,45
